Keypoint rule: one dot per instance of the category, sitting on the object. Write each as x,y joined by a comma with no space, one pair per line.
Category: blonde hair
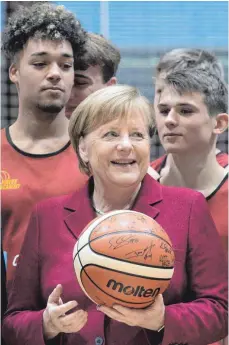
103,106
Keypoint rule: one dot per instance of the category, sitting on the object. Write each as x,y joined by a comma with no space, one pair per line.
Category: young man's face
85,83
44,75
183,122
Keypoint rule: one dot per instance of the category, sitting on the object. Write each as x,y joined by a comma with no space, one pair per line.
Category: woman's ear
221,123
83,150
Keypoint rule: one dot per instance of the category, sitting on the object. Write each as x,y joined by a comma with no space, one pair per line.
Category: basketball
123,257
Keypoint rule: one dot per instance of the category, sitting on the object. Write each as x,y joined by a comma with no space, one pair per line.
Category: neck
113,198
199,171
39,133
39,125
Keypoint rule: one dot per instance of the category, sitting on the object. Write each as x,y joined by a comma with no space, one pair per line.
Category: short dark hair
100,51
189,58
213,88
42,21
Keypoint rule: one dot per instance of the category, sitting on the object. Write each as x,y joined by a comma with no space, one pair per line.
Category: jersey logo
7,182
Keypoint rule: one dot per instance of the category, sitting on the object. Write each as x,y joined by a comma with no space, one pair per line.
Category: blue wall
158,24
88,12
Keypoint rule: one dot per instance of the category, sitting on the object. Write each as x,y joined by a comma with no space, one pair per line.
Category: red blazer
196,300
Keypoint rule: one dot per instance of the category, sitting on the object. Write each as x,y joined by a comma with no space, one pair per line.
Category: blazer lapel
78,211
149,197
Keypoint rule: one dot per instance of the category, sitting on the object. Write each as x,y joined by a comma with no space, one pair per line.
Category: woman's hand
55,319
151,318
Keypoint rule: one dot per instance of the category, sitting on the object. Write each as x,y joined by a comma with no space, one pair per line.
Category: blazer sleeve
203,320
23,321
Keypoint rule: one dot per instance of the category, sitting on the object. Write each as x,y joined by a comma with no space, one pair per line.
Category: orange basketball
123,257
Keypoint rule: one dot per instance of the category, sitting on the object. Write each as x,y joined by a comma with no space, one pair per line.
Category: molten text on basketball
139,291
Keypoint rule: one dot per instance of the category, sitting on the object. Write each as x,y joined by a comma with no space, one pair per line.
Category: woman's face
119,151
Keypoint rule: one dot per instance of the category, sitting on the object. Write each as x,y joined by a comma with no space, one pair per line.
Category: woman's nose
125,143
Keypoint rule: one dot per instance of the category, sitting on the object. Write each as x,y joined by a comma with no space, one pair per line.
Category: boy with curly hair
38,161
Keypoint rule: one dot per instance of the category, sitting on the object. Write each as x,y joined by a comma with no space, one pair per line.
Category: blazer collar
149,196
78,210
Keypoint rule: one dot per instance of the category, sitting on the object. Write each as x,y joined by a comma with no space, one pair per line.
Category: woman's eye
137,135
111,134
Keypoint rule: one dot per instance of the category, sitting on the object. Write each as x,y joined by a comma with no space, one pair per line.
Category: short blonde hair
103,106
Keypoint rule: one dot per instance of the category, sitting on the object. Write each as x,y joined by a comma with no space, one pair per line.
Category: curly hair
42,21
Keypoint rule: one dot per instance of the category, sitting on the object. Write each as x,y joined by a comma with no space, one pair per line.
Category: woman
110,132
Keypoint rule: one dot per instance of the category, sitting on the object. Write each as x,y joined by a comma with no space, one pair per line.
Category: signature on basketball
165,261
146,252
166,247
121,241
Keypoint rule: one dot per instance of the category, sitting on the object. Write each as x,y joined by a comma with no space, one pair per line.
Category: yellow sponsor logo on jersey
8,183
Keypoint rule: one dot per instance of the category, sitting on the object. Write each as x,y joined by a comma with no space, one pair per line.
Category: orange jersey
218,205
25,180
158,164
217,201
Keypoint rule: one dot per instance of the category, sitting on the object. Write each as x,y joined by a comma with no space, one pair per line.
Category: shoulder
171,194
185,197
57,204
182,192
53,201
188,207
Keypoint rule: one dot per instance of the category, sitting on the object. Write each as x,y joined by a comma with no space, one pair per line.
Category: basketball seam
82,268
130,231
118,299
118,259
122,266
125,273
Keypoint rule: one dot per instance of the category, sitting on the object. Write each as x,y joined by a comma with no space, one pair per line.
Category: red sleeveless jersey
25,180
217,201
